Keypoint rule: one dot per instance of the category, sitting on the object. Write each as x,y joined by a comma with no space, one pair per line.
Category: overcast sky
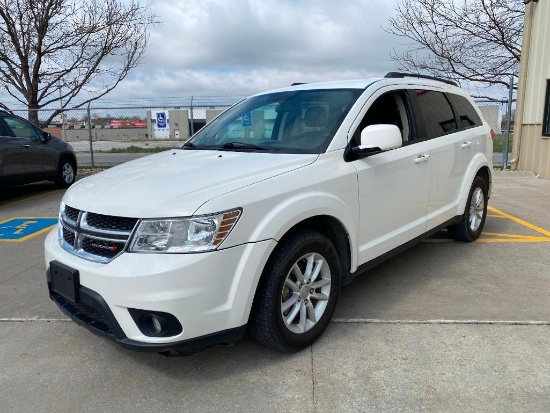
239,47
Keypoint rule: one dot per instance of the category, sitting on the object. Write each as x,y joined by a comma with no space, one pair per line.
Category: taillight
492,134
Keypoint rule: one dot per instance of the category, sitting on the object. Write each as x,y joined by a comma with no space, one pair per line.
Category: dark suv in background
28,154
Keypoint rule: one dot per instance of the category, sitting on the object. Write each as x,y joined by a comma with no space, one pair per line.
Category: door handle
26,146
466,145
421,158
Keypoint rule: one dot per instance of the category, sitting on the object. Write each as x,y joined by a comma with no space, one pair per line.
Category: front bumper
93,313
210,294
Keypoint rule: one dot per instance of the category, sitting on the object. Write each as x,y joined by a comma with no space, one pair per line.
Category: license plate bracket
65,280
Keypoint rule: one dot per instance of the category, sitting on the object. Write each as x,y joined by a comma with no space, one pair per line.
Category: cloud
245,46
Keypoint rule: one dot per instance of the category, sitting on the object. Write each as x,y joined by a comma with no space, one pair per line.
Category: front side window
437,113
301,121
546,119
390,109
21,129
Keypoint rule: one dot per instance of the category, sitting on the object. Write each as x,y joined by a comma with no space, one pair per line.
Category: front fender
272,207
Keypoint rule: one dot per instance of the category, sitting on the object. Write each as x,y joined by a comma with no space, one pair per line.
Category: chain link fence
496,114
104,136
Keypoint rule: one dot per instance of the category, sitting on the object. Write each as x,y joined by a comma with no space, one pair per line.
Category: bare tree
52,51
477,41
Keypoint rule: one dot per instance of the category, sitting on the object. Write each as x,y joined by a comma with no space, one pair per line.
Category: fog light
156,324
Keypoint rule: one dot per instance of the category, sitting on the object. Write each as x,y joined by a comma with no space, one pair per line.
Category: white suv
260,218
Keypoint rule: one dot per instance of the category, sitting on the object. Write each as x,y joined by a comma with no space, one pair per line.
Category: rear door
12,152
451,147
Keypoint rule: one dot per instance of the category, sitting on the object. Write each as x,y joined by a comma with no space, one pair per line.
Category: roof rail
393,75
296,84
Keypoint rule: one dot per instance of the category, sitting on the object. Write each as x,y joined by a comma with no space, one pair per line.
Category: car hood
176,182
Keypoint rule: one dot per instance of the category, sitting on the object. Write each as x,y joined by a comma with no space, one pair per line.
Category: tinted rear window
437,113
466,112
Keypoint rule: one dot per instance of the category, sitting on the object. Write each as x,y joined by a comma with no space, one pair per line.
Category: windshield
301,121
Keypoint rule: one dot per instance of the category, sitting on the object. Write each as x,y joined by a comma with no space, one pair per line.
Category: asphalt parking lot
443,327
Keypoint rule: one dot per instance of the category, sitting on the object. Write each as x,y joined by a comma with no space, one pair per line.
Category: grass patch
136,149
499,141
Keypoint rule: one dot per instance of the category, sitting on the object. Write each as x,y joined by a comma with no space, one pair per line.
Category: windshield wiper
228,146
242,145
189,145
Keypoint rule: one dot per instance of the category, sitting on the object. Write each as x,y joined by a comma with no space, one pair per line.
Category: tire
310,306
66,173
471,224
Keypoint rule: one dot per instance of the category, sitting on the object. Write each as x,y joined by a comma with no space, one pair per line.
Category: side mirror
381,137
46,137
374,139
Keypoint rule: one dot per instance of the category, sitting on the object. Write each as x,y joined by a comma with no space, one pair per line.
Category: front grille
85,310
84,313
110,222
68,236
71,213
95,237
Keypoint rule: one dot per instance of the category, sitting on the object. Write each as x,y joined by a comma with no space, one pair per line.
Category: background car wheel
66,173
470,226
297,292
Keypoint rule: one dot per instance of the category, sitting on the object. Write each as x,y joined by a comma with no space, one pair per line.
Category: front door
394,185
12,166
40,157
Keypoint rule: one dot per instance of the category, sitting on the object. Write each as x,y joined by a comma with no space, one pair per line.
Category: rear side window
437,113
466,112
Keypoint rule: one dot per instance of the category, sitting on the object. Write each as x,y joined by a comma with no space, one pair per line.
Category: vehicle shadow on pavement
8,195
451,280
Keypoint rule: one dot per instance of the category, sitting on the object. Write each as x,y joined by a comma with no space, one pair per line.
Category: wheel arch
67,155
330,227
479,166
336,232
485,173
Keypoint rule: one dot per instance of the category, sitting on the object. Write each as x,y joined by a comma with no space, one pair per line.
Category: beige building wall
535,151
533,148
100,134
179,121
539,64
211,114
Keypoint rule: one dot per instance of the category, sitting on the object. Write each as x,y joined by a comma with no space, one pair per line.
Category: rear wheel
297,293
471,224
66,173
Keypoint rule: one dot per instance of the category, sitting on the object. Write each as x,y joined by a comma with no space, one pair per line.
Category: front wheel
297,293
471,224
66,173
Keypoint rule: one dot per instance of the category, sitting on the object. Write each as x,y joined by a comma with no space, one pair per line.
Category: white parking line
33,319
486,322
342,321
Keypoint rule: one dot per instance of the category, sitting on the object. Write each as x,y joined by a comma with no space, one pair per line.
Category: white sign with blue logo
247,119
161,120
159,124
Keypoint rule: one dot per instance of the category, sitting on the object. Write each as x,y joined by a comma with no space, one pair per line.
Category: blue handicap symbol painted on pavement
21,229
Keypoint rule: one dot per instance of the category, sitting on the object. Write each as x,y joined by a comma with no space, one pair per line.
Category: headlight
182,235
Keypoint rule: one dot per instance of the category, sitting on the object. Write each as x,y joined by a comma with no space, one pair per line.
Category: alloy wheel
305,294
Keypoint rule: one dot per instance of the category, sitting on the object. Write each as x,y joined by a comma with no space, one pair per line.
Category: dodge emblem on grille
112,248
